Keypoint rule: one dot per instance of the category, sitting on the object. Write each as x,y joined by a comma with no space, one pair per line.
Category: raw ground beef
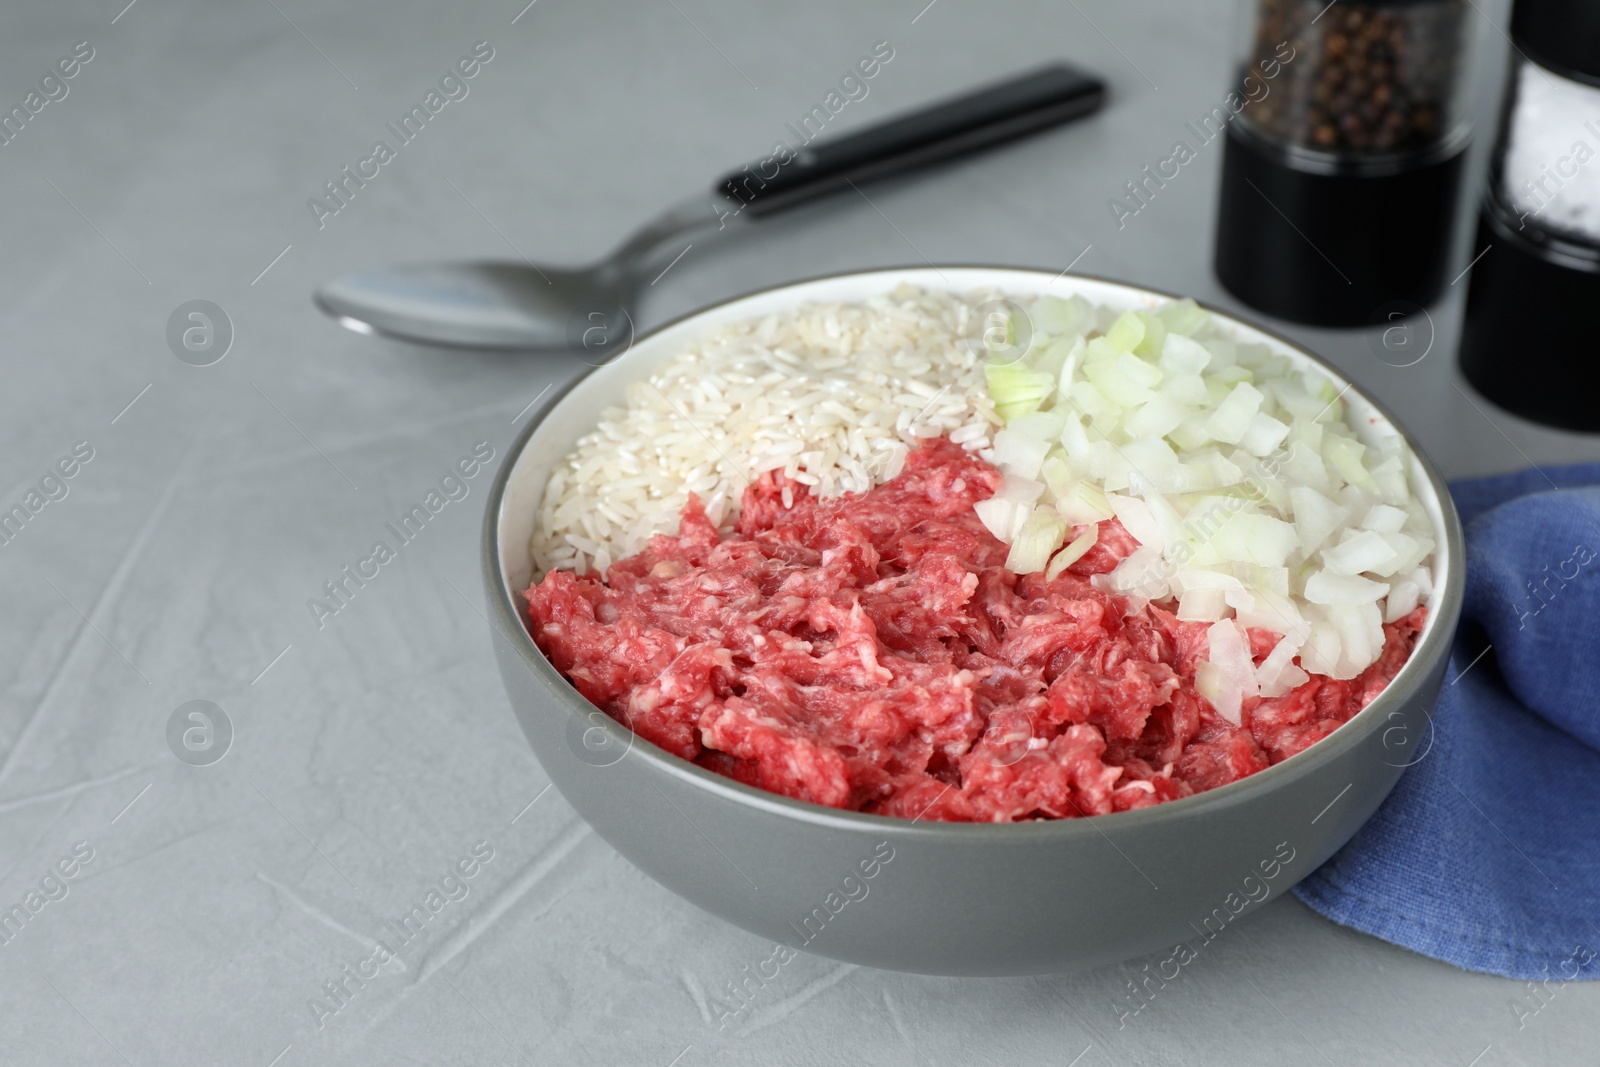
871,652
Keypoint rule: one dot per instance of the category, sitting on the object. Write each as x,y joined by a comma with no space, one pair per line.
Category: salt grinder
1529,341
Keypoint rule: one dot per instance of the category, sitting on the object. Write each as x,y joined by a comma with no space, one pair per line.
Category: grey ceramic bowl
942,898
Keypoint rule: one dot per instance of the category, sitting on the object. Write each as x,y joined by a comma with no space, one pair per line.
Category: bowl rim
507,619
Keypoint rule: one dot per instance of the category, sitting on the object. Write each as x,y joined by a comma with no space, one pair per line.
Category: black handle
1001,112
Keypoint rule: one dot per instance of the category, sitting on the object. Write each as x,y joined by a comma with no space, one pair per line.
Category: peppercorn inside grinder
1528,341
1343,160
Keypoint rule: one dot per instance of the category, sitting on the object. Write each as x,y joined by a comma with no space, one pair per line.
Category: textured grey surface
377,751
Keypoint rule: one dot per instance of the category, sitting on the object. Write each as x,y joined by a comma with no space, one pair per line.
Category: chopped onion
1363,550
1052,315
1019,490
1232,468
1250,538
1137,518
1183,355
1344,455
1091,401
1264,434
1404,596
1268,610
1084,502
1074,436
1127,332
1051,358
1057,473
1159,416
1199,578
1139,574
1019,453
1233,416
1123,379
1271,579
1320,653
1278,674
1384,519
1001,517
1016,388
1424,579
1409,561
1073,552
1231,678
1202,605
1183,317
1360,637
1390,479
1315,517
1036,541
1041,424
1325,587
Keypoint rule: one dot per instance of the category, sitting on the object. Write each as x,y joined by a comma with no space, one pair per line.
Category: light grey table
374,753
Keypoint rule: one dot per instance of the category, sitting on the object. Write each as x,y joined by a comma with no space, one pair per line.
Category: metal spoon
589,310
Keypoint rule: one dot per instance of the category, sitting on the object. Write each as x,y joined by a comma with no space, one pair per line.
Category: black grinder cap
1562,36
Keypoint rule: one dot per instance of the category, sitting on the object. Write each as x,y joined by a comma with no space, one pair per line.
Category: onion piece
1231,678
1327,587
1278,674
1075,550
1127,332
1315,517
1036,541
1250,538
1404,596
1263,435
1183,355
1202,605
1233,416
1363,550
1384,518
1267,610
1139,574
1016,388
1320,652
1138,519
1183,317
1001,517
1054,315
1344,454
1019,490
1124,379
1019,453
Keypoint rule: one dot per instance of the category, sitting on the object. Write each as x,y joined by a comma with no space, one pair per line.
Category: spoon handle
976,120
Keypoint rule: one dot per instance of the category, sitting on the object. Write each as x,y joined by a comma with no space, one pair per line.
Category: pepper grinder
1341,170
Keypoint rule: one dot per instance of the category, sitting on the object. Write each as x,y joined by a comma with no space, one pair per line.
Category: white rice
833,395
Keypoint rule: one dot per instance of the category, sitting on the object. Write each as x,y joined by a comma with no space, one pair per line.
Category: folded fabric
1487,853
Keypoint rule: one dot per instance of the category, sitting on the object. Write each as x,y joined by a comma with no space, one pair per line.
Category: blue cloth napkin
1487,854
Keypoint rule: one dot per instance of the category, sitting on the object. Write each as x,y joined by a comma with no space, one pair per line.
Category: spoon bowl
487,305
